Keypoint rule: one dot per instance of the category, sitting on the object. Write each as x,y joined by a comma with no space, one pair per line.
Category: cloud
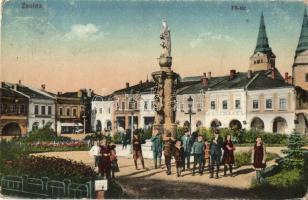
209,36
85,32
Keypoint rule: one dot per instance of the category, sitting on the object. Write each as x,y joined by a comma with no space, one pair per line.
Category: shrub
42,134
180,131
117,138
244,158
295,152
94,137
285,184
54,168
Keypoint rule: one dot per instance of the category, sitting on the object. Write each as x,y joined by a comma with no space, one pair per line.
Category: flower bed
52,167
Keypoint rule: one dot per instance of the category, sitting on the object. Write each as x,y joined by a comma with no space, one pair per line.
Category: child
198,149
104,165
95,153
179,157
228,156
258,157
113,160
207,154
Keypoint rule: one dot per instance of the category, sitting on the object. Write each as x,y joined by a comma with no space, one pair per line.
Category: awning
71,124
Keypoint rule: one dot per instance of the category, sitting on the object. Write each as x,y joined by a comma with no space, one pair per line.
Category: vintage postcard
161,99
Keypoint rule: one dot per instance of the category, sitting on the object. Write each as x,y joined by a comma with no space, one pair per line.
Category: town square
154,100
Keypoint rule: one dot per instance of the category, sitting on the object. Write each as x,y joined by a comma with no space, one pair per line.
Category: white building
147,112
102,113
252,100
41,106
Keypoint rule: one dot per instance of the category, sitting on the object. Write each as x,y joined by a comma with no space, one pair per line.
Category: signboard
101,185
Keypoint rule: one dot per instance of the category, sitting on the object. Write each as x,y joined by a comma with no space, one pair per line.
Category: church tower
263,58
300,66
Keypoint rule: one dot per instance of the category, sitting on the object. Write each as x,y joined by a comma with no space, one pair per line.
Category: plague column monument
165,86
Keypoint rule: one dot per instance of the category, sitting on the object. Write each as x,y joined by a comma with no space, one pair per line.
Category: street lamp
190,112
131,106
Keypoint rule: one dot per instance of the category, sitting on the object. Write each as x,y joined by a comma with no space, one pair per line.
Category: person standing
168,149
137,151
104,166
186,141
228,155
124,139
206,155
216,146
198,149
179,157
258,157
113,159
95,153
157,146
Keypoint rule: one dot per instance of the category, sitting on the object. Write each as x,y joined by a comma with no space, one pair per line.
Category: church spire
303,39
262,42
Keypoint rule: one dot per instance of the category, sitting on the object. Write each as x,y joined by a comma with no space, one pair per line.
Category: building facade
102,113
14,108
41,106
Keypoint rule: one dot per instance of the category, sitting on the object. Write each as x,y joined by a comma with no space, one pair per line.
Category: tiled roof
5,92
144,87
32,93
259,80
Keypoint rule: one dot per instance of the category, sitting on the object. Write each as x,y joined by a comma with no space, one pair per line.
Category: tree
295,152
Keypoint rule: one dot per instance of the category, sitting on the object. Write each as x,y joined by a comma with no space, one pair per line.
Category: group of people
208,154
105,158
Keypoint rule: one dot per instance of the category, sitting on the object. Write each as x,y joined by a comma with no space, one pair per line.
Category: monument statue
165,40
165,86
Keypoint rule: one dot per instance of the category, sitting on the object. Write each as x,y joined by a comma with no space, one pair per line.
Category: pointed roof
303,39
262,42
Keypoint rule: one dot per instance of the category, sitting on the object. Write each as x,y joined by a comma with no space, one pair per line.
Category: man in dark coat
137,151
157,147
186,141
168,150
216,146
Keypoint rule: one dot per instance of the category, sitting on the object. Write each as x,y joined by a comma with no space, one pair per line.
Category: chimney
286,77
232,74
43,86
205,81
273,73
209,75
249,73
140,82
59,93
15,87
127,85
79,93
19,82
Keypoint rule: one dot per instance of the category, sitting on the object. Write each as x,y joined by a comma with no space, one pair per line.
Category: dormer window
306,78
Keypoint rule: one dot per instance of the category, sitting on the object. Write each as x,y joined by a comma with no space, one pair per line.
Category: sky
101,45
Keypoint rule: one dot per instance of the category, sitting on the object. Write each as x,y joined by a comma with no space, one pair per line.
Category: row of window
269,104
43,110
237,103
13,109
68,112
100,110
213,105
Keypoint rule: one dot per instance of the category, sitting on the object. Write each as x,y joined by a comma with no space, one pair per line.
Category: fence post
45,180
24,182
66,187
